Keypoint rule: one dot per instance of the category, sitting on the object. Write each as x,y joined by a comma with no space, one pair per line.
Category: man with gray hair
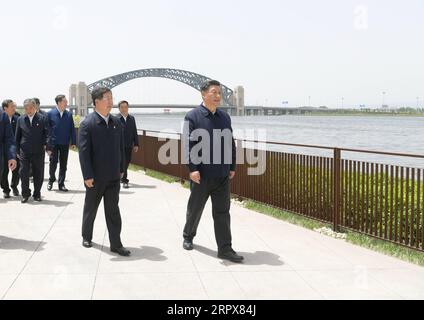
32,140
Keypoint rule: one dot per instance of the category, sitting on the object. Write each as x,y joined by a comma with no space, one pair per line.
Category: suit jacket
62,128
101,148
32,139
15,118
7,143
42,112
130,131
202,118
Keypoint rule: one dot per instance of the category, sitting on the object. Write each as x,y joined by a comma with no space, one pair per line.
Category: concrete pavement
41,256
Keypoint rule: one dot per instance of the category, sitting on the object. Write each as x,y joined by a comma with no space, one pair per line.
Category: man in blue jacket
211,156
9,107
101,154
7,144
32,141
130,138
62,128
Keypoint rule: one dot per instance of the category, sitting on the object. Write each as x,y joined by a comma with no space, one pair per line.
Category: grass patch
381,246
387,248
159,175
284,215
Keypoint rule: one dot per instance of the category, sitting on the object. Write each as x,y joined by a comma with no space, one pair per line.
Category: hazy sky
278,50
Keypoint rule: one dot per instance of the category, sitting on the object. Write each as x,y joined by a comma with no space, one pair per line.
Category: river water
377,133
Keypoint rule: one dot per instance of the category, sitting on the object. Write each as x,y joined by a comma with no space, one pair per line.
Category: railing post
336,189
240,155
144,149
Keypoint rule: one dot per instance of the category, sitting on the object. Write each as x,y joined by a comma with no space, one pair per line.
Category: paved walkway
41,256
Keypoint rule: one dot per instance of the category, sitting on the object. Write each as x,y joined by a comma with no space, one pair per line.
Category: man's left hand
135,149
232,174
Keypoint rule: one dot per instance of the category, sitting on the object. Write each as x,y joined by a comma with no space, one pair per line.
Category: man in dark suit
61,124
211,166
32,141
7,144
9,107
42,113
101,154
130,137
38,106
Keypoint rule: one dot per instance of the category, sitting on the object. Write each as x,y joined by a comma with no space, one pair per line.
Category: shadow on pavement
251,259
7,243
144,252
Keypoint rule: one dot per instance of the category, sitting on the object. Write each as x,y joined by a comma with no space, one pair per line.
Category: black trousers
128,155
5,178
219,191
60,154
2,161
109,192
36,162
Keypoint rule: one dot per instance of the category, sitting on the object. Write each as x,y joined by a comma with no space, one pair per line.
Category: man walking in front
62,127
32,141
101,154
130,138
211,155
9,107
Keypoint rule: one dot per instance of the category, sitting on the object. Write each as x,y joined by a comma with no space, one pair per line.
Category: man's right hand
12,165
89,183
195,177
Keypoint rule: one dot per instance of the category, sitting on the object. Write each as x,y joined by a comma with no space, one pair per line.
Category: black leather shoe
121,251
86,244
50,186
230,255
24,200
6,195
63,189
16,192
37,199
125,185
188,245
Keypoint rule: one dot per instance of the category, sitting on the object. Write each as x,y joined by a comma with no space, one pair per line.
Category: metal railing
380,200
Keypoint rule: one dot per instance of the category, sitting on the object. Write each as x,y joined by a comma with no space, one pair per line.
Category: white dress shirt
30,119
125,117
61,112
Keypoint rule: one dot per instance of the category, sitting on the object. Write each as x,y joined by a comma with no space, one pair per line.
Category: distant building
238,99
80,96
